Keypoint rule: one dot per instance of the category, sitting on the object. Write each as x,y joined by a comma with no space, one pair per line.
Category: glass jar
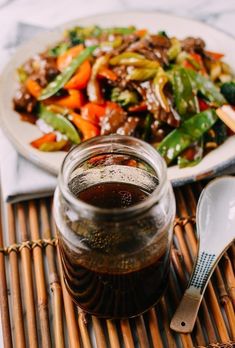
115,250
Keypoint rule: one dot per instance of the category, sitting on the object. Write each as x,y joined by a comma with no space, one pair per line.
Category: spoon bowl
215,220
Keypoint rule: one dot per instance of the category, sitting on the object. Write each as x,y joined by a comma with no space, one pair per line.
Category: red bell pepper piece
195,62
33,88
203,105
141,32
138,108
214,55
87,129
81,77
74,100
107,74
112,105
65,58
93,112
189,153
47,138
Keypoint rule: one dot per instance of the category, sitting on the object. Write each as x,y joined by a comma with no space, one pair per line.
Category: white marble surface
20,18
48,13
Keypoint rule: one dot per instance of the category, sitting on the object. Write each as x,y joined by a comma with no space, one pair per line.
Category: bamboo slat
40,312
4,305
19,339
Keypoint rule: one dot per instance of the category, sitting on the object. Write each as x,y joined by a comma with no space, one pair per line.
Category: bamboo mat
36,310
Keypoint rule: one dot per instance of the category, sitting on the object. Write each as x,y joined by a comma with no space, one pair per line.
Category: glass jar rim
84,149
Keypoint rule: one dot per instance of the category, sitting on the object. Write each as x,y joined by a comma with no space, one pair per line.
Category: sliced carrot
141,32
107,74
81,77
87,129
194,62
74,100
188,65
65,58
131,163
199,60
33,88
47,138
214,55
93,112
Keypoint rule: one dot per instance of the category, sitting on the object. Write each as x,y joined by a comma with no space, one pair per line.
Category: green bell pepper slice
134,59
141,74
159,82
61,79
190,131
59,123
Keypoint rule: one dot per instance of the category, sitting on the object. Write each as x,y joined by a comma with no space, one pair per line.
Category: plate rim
31,156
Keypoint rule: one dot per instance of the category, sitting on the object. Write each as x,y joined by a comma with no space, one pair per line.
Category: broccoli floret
58,50
228,90
162,33
125,97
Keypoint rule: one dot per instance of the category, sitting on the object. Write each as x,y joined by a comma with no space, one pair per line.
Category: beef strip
23,101
191,44
146,91
157,132
121,81
153,47
127,41
42,69
113,119
128,128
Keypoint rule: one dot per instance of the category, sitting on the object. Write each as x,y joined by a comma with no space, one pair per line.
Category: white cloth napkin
21,179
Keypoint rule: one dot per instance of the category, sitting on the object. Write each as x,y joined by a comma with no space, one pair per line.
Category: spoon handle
186,314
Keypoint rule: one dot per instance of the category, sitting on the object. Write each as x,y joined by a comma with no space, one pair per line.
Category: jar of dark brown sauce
114,210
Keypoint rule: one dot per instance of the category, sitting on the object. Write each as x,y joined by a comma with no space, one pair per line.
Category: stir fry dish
99,81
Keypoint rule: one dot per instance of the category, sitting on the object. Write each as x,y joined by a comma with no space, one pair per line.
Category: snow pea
59,49
120,30
60,123
190,131
185,100
191,156
61,79
183,162
80,34
206,87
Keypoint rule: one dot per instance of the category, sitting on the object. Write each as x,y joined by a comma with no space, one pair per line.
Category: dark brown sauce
113,195
112,294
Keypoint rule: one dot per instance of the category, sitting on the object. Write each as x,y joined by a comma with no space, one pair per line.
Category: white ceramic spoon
216,229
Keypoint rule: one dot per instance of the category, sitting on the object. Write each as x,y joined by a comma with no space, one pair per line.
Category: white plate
22,133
